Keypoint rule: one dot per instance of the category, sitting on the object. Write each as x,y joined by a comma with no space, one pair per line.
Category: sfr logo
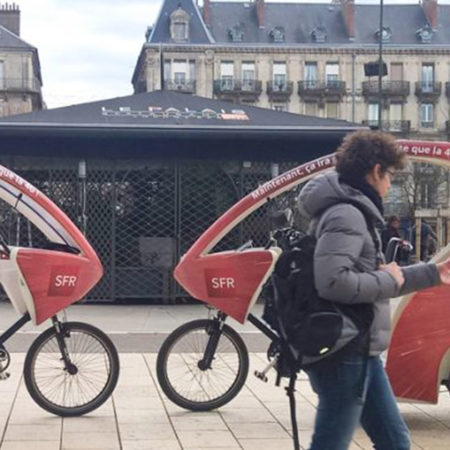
63,281
220,282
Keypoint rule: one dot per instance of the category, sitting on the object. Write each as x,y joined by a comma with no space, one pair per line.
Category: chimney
259,4
10,17
207,12
430,9
348,11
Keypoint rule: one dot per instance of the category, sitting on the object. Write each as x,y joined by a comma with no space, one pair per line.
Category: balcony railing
447,89
389,88
233,88
428,90
280,91
186,86
333,88
20,85
391,126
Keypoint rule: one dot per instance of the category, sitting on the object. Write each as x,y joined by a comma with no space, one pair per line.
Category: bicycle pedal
4,375
261,376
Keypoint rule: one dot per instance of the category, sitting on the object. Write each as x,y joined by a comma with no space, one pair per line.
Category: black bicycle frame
16,326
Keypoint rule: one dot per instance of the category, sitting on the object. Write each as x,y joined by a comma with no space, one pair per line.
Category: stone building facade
20,72
307,58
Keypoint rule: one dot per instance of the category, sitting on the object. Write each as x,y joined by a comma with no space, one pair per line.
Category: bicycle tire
53,388
200,390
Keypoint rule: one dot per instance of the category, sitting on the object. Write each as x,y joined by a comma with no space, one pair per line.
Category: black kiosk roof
170,124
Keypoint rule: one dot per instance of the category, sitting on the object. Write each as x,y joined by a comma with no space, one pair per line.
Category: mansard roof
9,40
299,20
198,32
403,20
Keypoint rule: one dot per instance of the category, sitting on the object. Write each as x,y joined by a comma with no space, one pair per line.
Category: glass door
310,75
427,77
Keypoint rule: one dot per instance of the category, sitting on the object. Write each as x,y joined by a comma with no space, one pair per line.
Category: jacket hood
325,191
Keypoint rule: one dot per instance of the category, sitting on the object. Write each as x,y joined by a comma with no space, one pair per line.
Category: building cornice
265,49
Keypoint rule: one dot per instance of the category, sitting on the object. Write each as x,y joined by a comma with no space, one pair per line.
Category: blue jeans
346,399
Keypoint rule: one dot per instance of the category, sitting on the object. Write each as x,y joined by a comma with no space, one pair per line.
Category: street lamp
380,64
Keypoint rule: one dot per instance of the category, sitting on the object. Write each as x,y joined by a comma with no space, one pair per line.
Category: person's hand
394,269
444,271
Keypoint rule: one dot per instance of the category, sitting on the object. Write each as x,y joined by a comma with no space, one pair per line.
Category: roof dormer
386,35
236,32
179,25
425,34
278,34
319,34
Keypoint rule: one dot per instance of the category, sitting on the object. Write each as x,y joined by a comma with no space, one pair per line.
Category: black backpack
312,327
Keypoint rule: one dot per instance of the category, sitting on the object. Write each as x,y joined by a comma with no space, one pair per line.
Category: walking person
391,230
352,385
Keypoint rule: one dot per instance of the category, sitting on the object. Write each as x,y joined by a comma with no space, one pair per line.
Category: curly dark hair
362,150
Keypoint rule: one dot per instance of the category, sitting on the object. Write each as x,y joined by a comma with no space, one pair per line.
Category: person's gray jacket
345,259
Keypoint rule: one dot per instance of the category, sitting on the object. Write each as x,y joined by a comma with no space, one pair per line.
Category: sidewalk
139,417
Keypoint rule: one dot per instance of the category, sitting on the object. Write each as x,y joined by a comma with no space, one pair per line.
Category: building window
179,72
426,115
179,25
310,74
179,31
332,74
427,77
2,75
2,109
372,113
395,117
248,75
226,74
332,110
279,76
311,109
397,71
282,107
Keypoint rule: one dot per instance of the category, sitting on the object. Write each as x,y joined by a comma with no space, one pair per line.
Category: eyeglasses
390,172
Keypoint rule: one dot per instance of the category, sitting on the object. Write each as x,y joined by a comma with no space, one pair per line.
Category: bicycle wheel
82,387
179,371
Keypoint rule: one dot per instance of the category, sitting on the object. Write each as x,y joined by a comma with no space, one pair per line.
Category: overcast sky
88,48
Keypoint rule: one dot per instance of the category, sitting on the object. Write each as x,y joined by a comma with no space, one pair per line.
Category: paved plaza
138,416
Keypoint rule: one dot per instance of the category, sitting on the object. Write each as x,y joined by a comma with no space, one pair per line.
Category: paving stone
156,444
31,445
89,423
198,422
90,441
256,415
156,415
258,430
146,431
207,439
258,444
24,432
